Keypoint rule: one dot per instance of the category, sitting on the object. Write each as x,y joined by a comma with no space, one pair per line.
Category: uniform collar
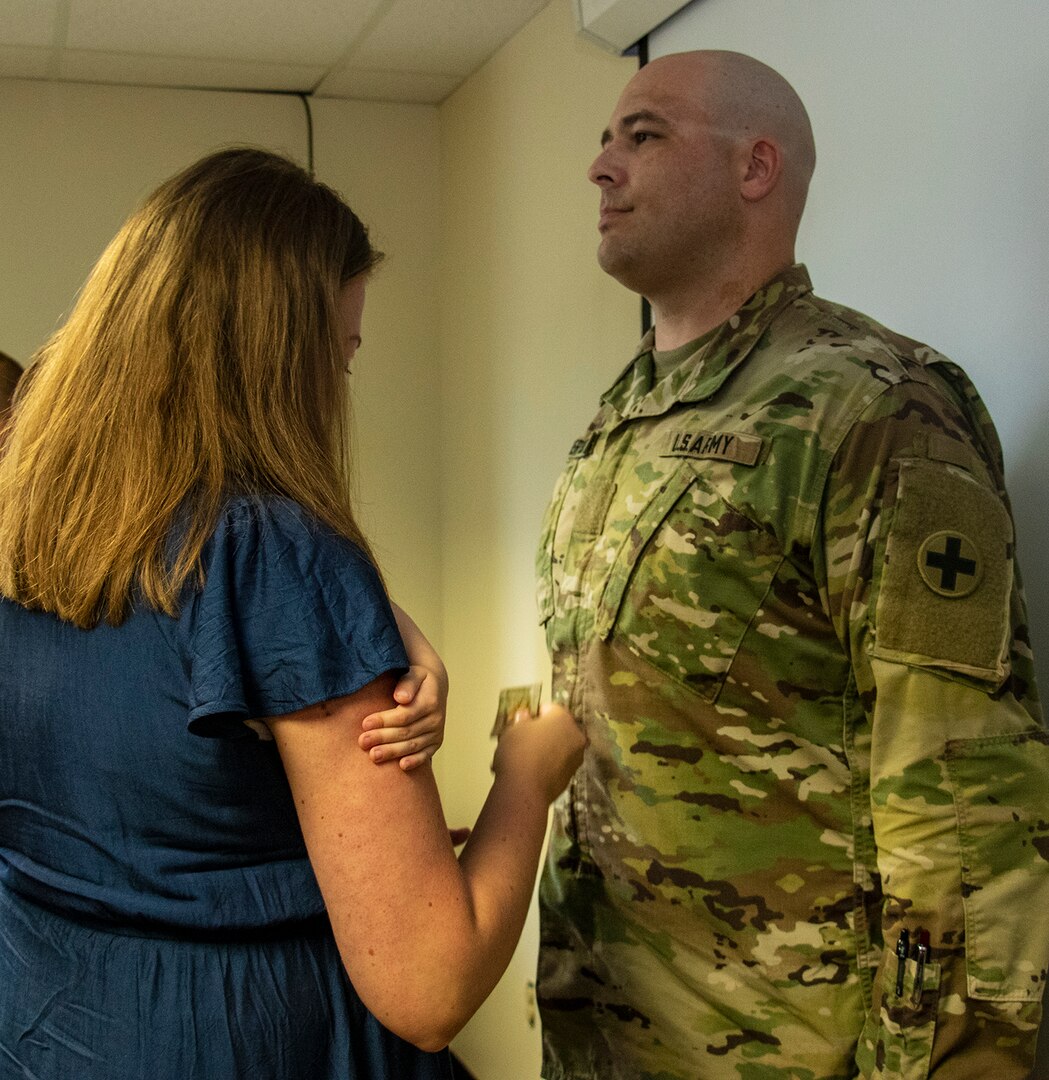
717,354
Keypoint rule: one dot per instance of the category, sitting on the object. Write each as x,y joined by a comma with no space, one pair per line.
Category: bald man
810,835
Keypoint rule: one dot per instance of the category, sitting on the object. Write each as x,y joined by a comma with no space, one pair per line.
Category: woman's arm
413,729
423,936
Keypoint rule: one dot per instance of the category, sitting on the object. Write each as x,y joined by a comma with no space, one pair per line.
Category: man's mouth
609,214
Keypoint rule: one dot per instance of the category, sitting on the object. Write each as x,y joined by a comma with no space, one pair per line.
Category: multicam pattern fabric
779,591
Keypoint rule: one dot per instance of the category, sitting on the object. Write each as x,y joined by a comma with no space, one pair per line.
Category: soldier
810,835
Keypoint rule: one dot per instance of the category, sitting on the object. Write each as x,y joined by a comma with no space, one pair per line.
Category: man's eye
642,136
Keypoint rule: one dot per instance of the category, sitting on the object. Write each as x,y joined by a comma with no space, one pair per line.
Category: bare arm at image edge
424,937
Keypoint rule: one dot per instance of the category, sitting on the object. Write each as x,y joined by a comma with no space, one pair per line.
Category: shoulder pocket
1000,786
687,581
945,586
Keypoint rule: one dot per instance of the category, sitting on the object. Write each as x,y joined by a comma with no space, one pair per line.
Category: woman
202,872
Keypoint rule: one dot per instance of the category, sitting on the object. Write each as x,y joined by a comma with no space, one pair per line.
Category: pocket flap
657,508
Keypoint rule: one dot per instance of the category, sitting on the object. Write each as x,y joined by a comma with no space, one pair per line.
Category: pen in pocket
923,955
903,945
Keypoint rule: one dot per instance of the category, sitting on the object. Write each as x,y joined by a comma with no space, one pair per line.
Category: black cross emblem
950,563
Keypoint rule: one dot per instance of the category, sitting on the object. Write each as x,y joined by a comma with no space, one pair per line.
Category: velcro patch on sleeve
945,586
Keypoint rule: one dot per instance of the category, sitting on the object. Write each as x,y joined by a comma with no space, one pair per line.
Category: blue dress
159,919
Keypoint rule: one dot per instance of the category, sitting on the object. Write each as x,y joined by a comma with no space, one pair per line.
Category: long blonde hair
202,360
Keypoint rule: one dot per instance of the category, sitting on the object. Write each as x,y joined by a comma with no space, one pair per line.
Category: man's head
703,174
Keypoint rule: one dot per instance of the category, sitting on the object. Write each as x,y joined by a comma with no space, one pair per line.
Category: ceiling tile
304,32
29,22
408,86
394,50
178,71
443,37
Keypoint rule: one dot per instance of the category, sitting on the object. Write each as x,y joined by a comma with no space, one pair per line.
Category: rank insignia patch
583,447
949,563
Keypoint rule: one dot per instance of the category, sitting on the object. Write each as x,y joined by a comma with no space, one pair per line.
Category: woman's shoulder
289,613
274,523
265,545
246,513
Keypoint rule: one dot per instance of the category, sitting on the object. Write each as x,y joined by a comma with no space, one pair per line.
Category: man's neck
682,316
675,325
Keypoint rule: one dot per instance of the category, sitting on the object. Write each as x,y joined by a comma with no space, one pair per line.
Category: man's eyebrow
645,116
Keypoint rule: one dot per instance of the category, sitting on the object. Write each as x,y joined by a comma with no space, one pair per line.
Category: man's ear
763,169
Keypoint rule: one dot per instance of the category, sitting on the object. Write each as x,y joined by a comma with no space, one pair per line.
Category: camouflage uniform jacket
779,592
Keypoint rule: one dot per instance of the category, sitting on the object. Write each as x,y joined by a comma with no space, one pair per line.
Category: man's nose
603,171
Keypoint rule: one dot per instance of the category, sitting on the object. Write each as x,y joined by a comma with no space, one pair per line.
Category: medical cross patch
949,563
947,574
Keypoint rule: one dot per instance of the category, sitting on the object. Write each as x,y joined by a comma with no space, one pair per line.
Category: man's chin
618,264
611,257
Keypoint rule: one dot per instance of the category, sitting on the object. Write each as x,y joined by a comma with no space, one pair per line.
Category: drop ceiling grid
398,50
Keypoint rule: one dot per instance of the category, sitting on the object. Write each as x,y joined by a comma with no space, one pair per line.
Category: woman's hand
413,729
545,749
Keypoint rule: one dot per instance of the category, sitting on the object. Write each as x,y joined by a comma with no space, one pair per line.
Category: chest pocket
688,580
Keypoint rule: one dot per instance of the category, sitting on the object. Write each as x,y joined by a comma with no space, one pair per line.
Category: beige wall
384,158
78,158
531,333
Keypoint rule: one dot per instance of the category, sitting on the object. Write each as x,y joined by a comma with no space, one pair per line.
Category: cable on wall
305,99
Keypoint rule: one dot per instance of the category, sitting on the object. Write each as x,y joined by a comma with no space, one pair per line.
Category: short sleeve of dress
290,614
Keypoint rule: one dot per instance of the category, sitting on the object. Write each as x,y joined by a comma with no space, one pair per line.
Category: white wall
929,208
